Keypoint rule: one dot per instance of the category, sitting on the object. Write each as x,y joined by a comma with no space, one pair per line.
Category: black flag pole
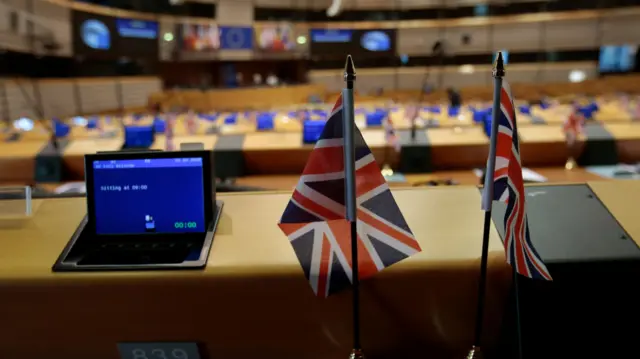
487,202
348,123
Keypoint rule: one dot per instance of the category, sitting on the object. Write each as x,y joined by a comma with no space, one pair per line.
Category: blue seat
265,121
479,115
311,131
525,109
138,136
209,117
433,109
61,129
232,119
92,123
454,111
159,125
374,119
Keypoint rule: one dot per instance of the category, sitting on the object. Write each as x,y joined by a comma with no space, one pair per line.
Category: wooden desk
252,299
73,155
544,145
627,140
17,160
457,149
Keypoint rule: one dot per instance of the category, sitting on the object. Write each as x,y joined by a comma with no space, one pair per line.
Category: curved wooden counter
252,299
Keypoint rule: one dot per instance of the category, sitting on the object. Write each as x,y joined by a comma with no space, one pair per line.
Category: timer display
180,225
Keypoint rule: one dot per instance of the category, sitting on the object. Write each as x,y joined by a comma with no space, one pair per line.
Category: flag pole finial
498,70
349,71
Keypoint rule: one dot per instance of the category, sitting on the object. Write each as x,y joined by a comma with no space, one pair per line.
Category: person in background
455,100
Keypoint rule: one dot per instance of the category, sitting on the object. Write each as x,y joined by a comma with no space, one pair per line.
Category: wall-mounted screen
107,37
236,38
618,58
275,37
197,37
340,42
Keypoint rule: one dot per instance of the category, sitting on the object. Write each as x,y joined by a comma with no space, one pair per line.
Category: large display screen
109,37
197,37
334,42
138,196
275,37
236,38
618,58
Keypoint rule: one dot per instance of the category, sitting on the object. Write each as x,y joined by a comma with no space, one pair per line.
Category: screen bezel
207,158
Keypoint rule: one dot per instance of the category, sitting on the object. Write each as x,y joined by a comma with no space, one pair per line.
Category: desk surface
253,290
249,221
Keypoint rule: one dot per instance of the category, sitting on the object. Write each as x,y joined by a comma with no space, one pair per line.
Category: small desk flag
390,133
509,188
314,220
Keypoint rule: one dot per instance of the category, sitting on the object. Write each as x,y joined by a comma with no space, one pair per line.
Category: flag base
571,164
356,354
474,353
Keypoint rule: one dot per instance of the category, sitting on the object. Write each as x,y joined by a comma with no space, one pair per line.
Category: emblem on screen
95,35
376,41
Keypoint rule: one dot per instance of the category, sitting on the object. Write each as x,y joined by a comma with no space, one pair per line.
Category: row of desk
252,299
284,153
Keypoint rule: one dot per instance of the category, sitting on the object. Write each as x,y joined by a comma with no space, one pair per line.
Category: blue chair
232,119
138,136
479,115
454,111
311,131
92,123
544,105
374,119
210,118
159,125
265,121
60,129
433,109
525,109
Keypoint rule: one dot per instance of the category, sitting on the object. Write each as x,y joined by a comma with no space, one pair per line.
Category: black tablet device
158,194
145,210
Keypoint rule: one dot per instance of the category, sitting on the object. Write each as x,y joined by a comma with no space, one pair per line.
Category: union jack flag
314,220
509,188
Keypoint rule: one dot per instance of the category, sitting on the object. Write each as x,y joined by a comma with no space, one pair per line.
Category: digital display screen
107,37
617,58
143,196
340,42
276,38
236,38
197,37
137,28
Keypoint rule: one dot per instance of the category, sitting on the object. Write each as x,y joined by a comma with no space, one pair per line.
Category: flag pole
487,202
348,124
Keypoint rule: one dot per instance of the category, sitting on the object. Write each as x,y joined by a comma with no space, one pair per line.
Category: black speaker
589,309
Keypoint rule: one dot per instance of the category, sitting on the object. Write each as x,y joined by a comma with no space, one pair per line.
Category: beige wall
527,36
48,18
68,97
411,78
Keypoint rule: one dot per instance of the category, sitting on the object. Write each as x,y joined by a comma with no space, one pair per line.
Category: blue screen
330,36
617,58
161,195
137,28
236,38
376,41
